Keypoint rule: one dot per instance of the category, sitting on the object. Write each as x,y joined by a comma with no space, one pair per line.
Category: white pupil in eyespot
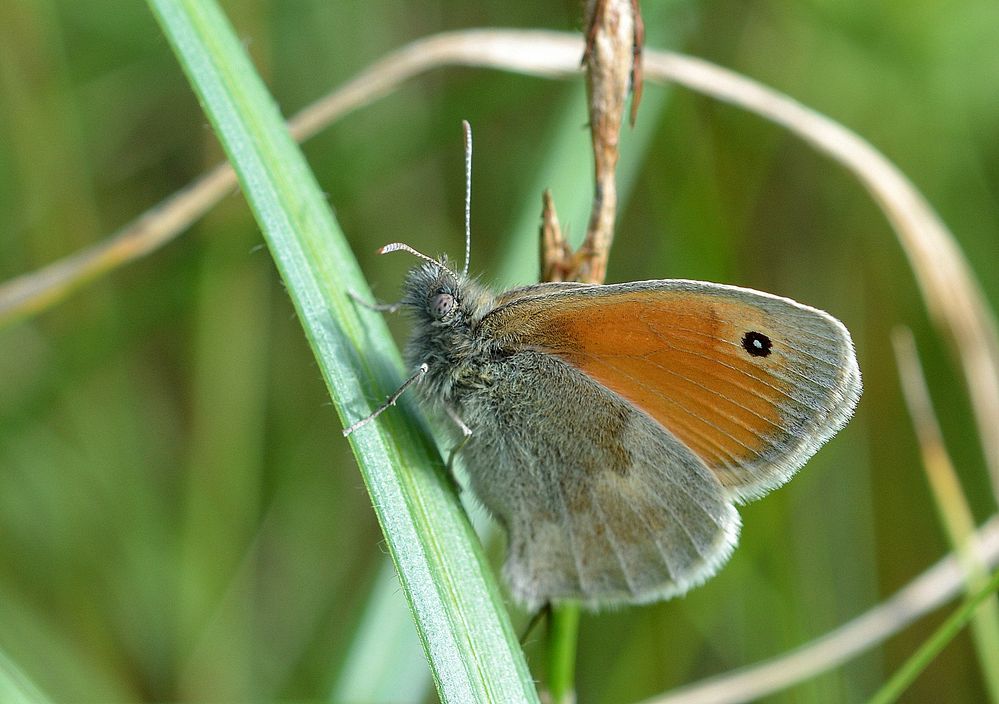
441,304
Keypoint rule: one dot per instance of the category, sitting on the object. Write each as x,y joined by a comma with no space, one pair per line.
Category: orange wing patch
678,358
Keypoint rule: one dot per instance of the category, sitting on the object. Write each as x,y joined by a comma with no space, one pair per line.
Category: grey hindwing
601,503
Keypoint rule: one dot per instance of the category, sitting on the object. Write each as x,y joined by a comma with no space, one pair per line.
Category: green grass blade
382,664
471,647
15,687
908,673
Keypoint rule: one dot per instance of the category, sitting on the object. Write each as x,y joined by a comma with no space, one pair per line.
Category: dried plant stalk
608,62
930,590
951,293
955,513
556,256
949,288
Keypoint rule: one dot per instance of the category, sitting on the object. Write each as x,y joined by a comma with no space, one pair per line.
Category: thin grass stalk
563,636
951,293
907,674
952,504
934,587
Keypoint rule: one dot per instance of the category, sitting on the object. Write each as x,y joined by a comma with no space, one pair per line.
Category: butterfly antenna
467,128
399,246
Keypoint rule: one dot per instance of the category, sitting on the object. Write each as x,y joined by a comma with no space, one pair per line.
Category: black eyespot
441,305
757,344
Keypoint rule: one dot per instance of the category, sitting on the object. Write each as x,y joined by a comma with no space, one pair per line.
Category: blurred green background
180,519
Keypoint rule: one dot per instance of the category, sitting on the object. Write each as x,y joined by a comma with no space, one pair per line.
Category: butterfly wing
752,384
602,506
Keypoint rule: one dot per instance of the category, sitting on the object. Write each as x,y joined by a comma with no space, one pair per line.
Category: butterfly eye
441,304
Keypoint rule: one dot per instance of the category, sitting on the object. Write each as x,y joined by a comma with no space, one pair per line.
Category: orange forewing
677,356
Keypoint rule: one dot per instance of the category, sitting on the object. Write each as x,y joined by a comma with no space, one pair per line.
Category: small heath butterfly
612,429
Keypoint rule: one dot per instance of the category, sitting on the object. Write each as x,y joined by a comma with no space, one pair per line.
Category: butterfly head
434,294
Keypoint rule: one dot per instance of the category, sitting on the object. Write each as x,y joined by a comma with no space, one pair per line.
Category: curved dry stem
941,475
39,290
949,288
950,291
534,53
933,588
952,505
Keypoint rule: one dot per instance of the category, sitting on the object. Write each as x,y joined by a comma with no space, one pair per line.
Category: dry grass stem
637,75
949,288
951,293
556,255
39,290
535,53
609,64
930,590
955,513
958,519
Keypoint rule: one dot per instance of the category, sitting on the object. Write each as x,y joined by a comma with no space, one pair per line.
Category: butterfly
613,429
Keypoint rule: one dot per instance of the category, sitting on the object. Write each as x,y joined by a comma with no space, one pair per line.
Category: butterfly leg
466,433
380,307
390,401
545,611
465,430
